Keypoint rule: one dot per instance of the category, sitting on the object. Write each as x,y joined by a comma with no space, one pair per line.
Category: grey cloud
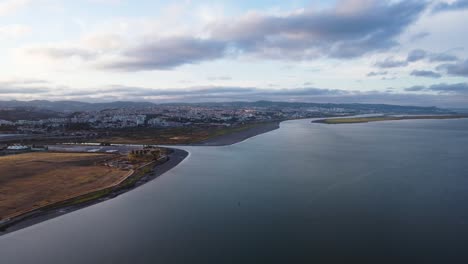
208,92
453,95
371,74
416,88
391,63
336,32
339,32
419,36
329,96
225,93
62,53
460,88
168,53
456,5
23,86
456,69
22,90
423,73
441,57
456,88
22,81
419,54
416,55
141,91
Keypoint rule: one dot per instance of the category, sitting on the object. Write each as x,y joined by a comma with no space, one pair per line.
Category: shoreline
360,120
64,207
238,136
177,156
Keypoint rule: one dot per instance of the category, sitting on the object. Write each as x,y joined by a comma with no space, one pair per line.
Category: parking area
114,149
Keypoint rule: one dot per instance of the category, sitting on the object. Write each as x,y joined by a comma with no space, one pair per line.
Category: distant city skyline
398,52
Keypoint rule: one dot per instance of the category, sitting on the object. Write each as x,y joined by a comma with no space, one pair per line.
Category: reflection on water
388,191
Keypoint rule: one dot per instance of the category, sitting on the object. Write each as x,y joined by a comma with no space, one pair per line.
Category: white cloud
10,6
14,31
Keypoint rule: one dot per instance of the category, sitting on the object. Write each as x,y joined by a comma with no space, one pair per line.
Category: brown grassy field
170,136
32,180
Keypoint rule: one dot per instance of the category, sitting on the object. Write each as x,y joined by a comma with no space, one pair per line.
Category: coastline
57,209
238,136
61,208
358,120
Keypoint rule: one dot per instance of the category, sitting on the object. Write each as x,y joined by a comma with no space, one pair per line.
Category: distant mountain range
75,106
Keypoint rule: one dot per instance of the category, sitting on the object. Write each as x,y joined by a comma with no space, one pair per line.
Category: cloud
391,62
442,57
428,74
351,29
419,54
453,95
454,6
60,53
371,74
23,86
419,36
416,88
10,6
23,81
207,92
167,53
229,94
456,88
23,90
456,69
416,55
14,31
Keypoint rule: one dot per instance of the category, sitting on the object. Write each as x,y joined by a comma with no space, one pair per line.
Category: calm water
383,192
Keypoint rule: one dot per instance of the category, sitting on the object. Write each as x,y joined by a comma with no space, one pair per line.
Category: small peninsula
355,120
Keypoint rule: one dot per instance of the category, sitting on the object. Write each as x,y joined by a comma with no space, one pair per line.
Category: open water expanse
378,192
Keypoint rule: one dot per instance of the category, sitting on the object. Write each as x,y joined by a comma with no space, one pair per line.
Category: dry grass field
32,180
171,136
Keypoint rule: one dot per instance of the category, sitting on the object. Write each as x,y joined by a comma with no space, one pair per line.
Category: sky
410,52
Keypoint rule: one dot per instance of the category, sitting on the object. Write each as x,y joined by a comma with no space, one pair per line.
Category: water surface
381,192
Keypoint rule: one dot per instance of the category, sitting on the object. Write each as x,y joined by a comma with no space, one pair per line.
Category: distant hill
73,106
20,113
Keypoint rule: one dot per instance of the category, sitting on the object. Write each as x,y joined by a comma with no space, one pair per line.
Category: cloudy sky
373,51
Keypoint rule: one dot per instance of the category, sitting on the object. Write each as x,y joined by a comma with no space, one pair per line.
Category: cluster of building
19,148
163,116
